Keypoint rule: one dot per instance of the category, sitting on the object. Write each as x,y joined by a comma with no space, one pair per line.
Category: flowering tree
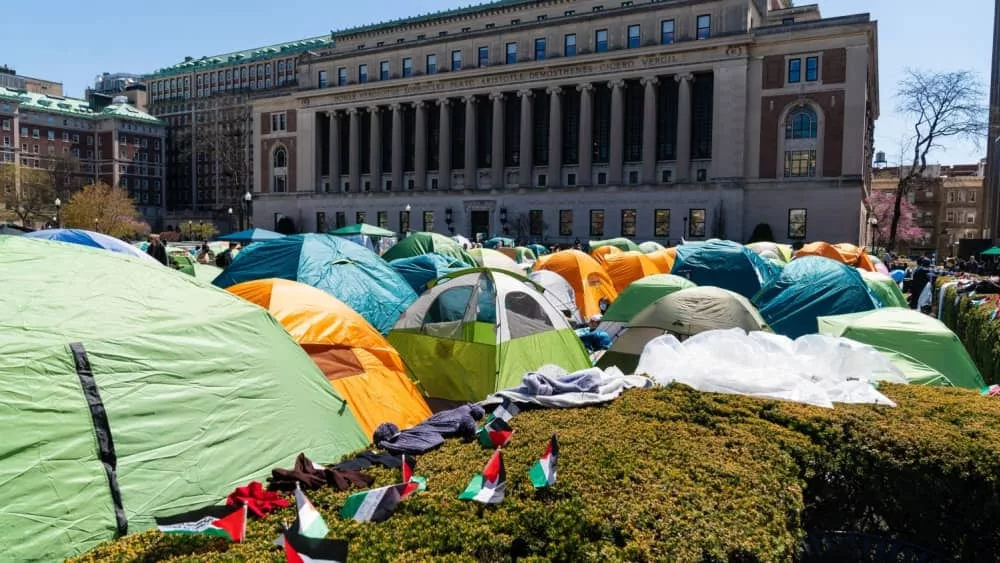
882,204
106,210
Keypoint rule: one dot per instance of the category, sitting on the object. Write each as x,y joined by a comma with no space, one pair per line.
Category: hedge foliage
976,329
676,475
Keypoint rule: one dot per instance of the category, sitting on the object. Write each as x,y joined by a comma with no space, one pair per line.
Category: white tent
559,292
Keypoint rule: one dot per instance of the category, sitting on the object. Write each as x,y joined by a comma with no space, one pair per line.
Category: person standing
157,250
921,277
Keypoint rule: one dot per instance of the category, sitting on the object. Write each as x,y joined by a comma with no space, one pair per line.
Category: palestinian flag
309,522
489,486
413,484
494,434
505,412
543,473
374,505
300,549
223,521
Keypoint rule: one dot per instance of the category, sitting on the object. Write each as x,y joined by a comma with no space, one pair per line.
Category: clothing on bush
259,502
368,459
430,434
552,387
309,476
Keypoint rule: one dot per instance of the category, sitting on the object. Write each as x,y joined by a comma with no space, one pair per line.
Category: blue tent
91,239
418,271
725,264
811,287
252,235
345,270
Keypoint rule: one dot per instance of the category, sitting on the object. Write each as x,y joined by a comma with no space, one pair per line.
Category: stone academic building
557,120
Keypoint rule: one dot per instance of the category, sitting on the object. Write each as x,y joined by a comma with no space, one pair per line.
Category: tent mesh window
525,315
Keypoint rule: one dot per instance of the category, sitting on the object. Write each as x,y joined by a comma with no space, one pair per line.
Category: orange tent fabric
626,267
844,253
589,280
664,259
360,364
602,252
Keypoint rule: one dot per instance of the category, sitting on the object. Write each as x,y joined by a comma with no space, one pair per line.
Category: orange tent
626,267
602,252
589,280
664,259
844,253
360,364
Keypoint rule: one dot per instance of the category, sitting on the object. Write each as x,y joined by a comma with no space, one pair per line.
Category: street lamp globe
230,210
408,208
58,202
247,196
873,221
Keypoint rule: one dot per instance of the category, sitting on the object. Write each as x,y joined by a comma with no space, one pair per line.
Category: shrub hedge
975,327
676,475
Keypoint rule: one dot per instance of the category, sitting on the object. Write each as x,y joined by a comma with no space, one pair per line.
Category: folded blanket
553,387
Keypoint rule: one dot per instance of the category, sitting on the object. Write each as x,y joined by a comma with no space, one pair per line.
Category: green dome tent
637,296
182,390
650,246
426,243
620,243
926,351
885,288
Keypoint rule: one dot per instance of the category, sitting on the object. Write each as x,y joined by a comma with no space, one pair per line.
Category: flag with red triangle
490,486
300,549
543,473
222,521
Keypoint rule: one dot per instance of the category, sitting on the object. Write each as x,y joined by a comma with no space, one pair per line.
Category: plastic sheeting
815,370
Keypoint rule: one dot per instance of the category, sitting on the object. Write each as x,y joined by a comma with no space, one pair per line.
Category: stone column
498,138
616,156
420,147
683,146
585,175
375,148
526,149
555,137
471,166
444,144
649,124
318,152
397,147
355,149
334,152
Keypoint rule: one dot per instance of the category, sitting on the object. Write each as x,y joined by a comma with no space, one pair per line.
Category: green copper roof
249,55
73,107
432,16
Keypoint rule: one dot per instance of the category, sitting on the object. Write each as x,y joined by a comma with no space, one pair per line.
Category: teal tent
251,235
363,229
426,243
811,287
131,391
724,264
497,242
995,251
419,271
345,270
539,250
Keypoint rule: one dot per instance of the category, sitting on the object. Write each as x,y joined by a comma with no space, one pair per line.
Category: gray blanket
553,387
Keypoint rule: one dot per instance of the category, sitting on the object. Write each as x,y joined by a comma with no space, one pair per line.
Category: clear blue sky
73,41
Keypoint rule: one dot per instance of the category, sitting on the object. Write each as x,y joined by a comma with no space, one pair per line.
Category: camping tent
664,259
497,242
426,243
637,296
206,272
627,267
885,288
589,280
559,292
650,246
781,252
620,243
519,254
601,252
479,331
418,271
812,287
91,239
345,270
362,367
538,250
724,264
132,391
489,258
363,229
682,313
844,253
926,351
252,235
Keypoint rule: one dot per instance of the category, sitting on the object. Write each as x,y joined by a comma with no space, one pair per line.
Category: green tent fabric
426,243
479,331
650,246
201,392
206,272
922,347
885,288
619,243
636,297
363,229
995,251
523,254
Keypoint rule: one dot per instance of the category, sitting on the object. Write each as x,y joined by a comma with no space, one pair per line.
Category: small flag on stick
222,521
490,486
374,505
300,549
543,473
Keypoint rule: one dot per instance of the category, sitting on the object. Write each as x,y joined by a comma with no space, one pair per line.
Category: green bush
676,475
978,332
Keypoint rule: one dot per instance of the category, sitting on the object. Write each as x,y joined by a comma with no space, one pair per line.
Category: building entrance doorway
480,227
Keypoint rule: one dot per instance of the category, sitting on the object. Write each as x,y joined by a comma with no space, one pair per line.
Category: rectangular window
511,53
601,41
666,32
428,221
52,135
383,219
634,36
383,70
628,222
432,64
696,223
362,74
704,26
597,222
800,164
404,222
797,223
569,45
456,61
661,223
359,217
971,198
322,79
34,133
812,69
484,57
6,125
540,49
565,222
949,217
536,223
321,222
794,70
277,122
342,76
76,139
407,67
970,217
340,220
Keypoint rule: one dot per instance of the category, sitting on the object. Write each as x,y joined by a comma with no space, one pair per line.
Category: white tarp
815,369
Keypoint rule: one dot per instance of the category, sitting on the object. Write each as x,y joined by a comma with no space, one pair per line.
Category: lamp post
97,225
872,228
230,210
20,213
248,202
407,210
58,203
